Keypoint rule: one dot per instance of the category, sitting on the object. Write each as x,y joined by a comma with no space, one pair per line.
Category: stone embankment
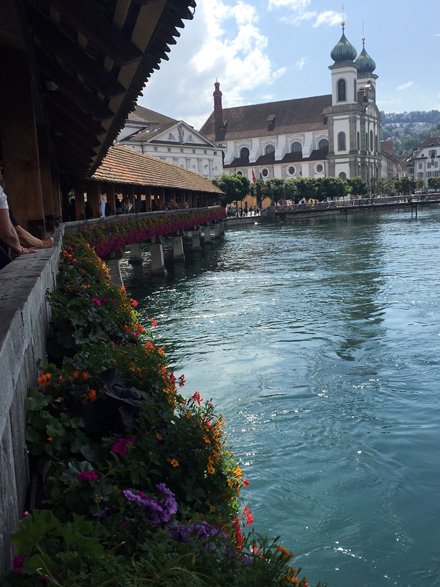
24,324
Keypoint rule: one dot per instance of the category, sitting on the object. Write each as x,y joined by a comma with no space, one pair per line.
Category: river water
320,343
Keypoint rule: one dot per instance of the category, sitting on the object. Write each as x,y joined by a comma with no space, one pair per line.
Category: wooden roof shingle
124,166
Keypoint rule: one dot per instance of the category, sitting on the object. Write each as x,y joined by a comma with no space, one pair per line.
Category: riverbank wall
24,325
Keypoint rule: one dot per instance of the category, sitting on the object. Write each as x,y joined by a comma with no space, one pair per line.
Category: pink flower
17,562
120,447
87,475
95,301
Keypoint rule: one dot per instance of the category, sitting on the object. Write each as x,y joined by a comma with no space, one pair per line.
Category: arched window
341,141
342,97
323,144
296,147
244,153
366,141
239,172
355,91
371,140
343,176
376,144
269,149
358,141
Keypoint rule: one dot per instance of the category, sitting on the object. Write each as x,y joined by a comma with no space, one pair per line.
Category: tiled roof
141,114
316,155
123,166
287,117
387,147
433,142
150,131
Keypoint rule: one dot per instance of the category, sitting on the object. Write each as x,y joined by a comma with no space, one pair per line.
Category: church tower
353,119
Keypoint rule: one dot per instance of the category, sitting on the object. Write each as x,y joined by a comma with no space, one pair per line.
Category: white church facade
171,140
334,135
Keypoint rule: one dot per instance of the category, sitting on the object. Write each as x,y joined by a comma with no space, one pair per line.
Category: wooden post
111,199
46,177
94,198
79,202
19,142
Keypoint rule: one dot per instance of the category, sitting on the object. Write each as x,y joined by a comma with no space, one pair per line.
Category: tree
330,187
306,188
234,187
405,185
357,186
384,186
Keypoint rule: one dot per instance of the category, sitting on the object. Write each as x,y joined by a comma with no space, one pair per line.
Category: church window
342,90
265,172
239,172
319,168
341,141
269,149
376,144
323,144
358,141
291,170
244,152
343,176
371,140
355,90
296,147
366,141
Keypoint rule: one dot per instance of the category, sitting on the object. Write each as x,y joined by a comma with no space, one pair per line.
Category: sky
270,50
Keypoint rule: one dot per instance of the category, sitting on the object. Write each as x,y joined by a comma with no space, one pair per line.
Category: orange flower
173,462
159,437
76,373
92,395
85,376
49,438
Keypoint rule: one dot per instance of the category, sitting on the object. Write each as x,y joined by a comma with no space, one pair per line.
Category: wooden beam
72,88
65,49
74,114
19,141
101,33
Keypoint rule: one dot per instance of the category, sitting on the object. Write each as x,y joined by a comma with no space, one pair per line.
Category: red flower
87,475
120,447
196,398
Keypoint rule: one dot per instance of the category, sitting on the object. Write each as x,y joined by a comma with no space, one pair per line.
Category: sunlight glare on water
319,342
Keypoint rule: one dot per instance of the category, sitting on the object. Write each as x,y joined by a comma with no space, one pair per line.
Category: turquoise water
320,344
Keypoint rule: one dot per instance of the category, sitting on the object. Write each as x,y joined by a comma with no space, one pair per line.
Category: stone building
425,160
332,135
175,141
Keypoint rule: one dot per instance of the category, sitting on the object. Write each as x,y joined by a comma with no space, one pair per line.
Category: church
335,135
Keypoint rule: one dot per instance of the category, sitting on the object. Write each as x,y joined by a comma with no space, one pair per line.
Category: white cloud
223,42
329,17
403,87
300,64
301,13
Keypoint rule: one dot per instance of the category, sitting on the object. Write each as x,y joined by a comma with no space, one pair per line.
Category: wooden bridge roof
124,166
90,60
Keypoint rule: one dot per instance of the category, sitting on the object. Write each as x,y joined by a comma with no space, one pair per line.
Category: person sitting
10,245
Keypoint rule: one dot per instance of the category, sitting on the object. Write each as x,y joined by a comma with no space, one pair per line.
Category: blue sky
268,50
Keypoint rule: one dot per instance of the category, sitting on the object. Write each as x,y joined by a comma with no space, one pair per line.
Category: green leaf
32,529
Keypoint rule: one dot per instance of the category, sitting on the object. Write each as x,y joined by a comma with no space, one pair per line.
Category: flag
261,175
254,179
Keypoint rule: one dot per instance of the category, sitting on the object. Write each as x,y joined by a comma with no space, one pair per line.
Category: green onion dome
364,62
344,50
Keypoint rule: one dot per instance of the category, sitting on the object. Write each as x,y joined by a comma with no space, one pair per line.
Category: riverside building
334,135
